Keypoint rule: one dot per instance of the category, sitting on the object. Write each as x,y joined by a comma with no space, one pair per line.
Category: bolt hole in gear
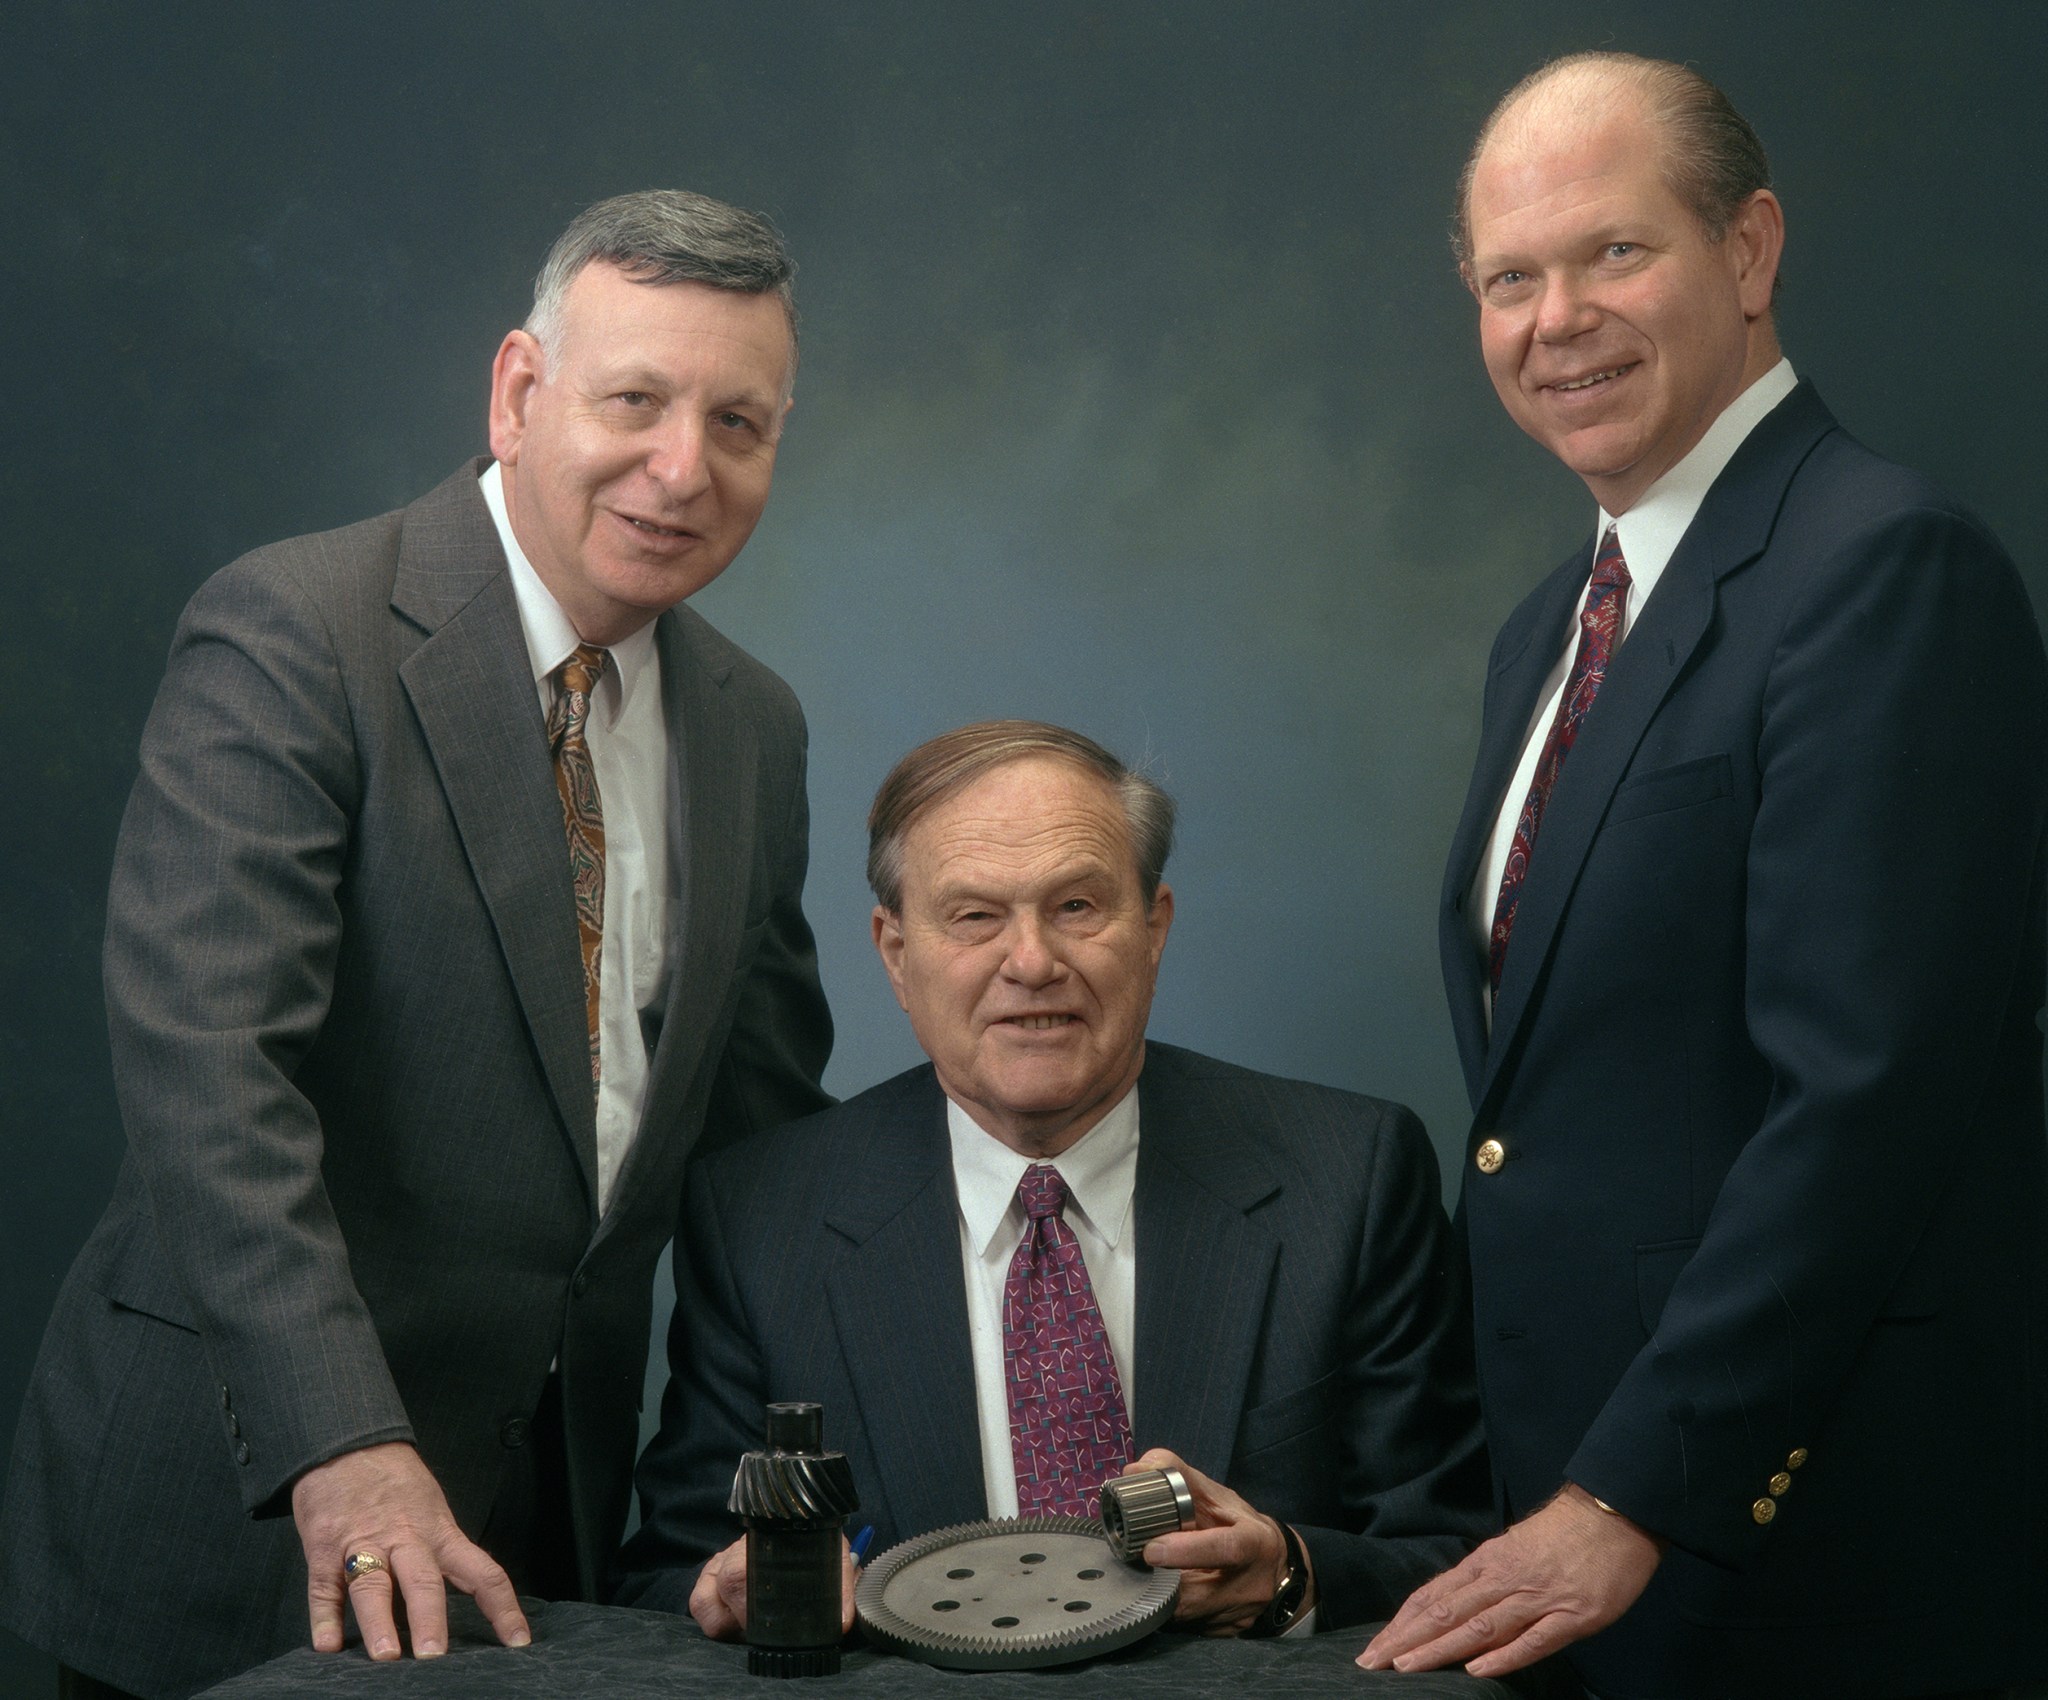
909,1600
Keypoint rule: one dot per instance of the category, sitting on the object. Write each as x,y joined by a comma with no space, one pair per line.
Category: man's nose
1033,959
1564,310
675,458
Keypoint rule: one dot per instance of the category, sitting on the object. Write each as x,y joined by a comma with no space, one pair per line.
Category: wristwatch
1290,1599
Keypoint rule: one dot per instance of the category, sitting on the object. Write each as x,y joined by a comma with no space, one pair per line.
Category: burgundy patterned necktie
582,814
1069,1432
1599,626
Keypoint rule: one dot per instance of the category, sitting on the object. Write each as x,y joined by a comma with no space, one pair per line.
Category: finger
849,1574
708,1602
484,1580
1420,1619
1538,1641
426,1600
1479,1633
1155,1458
369,1594
325,1592
1228,1546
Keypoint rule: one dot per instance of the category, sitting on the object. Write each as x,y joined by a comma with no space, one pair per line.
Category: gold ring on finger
360,1564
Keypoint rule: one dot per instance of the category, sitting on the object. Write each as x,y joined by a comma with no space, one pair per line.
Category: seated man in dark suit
1253,1275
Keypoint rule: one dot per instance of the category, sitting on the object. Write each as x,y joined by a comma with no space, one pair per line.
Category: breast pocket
1287,1418
1665,789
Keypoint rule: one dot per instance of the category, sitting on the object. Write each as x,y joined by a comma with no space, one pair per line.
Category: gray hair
944,766
1713,161
659,236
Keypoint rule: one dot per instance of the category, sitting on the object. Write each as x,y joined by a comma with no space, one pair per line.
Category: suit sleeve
1892,874
1414,1489
222,932
710,1415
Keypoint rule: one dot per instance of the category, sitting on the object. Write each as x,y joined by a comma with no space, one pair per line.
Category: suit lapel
1518,673
712,756
470,683
1205,1268
899,1304
1731,529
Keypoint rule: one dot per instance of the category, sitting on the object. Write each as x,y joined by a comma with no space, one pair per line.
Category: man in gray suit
458,893
1253,1275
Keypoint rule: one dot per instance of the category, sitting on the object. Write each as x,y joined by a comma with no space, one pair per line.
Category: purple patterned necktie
1069,1432
1599,626
582,815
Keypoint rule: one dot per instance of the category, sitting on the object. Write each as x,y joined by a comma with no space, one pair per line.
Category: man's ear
515,374
1756,237
887,928
1160,921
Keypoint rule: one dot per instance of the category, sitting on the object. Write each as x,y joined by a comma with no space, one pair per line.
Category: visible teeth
1597,377
1039,1023
658,530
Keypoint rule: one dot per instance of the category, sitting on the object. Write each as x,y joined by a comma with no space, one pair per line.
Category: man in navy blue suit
1743,935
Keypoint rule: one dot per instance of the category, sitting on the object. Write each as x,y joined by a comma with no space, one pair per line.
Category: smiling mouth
1038,1023
1591,379
651,529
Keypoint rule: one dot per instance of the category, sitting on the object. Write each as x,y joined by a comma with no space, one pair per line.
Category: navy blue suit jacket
1764,1267
1301,1328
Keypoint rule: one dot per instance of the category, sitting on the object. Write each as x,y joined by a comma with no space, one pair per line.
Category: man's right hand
719,1600
384,1500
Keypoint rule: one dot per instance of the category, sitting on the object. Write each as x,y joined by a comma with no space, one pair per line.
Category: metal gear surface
1014,1593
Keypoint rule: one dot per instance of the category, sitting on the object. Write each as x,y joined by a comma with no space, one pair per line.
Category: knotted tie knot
579,676
1610,573
1042,1191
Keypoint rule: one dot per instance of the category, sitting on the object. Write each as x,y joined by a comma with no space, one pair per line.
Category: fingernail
427,1649
384,1650
520,1639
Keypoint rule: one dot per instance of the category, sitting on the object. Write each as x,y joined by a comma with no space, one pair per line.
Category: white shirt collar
550,634
1100,1169
1652,528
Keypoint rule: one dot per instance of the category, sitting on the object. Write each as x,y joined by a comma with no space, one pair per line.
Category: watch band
1290,1598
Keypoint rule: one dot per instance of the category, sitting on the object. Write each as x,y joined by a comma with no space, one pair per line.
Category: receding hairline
1600,85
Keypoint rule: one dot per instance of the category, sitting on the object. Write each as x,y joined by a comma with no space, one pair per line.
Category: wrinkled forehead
1035,818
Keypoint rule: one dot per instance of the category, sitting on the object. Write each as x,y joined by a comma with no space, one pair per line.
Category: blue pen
861,1543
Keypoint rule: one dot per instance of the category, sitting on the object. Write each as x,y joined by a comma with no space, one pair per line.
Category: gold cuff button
1797,1458
1779,1483
1490,1156
1764,1510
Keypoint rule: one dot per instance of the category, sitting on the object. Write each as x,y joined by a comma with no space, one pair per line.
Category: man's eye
733,421
1620,250
635,398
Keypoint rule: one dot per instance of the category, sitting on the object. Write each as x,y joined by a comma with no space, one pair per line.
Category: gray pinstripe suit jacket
1302,1333
348,1031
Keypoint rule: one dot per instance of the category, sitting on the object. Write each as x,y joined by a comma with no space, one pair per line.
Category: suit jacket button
1797,1458
225,1402
1779,1483
1764,1510
234,1425
512,1432
242,1453
581,1284
1490,1156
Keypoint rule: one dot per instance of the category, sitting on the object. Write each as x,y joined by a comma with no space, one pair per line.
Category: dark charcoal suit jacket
1300,1331
349,1040
1767,1264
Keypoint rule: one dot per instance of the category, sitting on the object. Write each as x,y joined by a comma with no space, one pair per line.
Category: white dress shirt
1101,1172
1650,534
628,738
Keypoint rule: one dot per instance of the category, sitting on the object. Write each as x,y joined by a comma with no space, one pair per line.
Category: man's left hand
1554,1578
1231,1562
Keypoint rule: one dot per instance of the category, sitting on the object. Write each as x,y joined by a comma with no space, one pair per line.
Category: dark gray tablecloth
583,1651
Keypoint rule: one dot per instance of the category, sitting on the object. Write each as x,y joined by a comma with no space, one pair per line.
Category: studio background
1138,393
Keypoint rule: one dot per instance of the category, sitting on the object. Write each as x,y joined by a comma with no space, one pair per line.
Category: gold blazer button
1490,1156
1764,1510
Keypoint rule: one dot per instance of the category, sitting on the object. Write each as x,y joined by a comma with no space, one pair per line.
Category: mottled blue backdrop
1138,393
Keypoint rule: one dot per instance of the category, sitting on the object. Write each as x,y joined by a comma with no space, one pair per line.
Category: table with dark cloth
583,1650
